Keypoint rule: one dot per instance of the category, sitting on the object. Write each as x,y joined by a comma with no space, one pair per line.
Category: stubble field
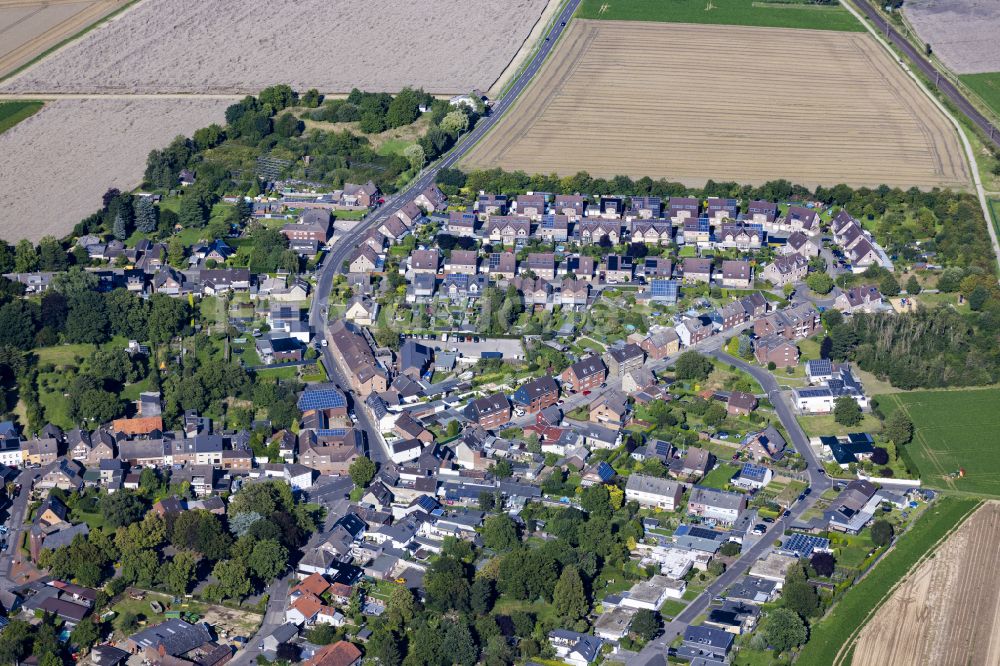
29,27
180,46
695,102
947,613
962,33
59,162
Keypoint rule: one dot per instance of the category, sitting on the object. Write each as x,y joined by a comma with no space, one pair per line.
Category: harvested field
30,27
962,33
693,102
207,47
59,162
947,613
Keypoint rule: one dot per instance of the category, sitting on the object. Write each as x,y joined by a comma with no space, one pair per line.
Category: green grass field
986,86
995,209
724,12
839,626
11,113
720,476
952,430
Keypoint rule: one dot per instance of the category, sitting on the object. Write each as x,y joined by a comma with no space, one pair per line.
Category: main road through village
333,262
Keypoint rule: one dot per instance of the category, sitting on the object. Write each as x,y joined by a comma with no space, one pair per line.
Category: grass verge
788,14
11,113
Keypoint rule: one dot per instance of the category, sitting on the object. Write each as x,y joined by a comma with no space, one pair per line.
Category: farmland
962,33
375,45
726,113
952,430
987,86
29,28
61,160
839,627
945,612
725,12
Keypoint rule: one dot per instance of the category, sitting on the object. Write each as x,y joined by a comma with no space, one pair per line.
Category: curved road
332,265
942,83
818,481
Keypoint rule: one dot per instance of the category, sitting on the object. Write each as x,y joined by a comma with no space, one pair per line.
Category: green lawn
995,209
953,430
11,113
986,86
393,147
726,12
841,624
720,476
63,354
823,424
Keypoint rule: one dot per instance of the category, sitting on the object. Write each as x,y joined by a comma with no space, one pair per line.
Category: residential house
39,451
409,214
425,261
740,236
800,243
536,394
502,265
732,315
610,408
542,264
584,375
786,269
362,310
766,445
864,298
530,205
696,270
740,403
572,206
600,232
508,230
661,342
680,208
432,199
394,229
490,412
364,260
776,349
799,218
651,232
313,224
356,359
793,323
575,648
721,209
762,212
753,477
714,504
491,204
652,491
554,228
461,224
463,262
737,274
620,360
618,268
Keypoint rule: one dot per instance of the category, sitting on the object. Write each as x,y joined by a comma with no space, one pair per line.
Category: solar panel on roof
662,448
321,399
666,288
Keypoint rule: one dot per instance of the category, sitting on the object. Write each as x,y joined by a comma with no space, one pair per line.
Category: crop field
180,46
693,102
831,638
987,86
59,162
11,113
946,612
962,33
28,28
953,430
783,14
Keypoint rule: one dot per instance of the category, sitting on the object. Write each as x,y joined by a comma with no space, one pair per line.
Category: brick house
585,375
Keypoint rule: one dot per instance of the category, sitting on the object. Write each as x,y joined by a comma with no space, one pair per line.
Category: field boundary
556,6
969,153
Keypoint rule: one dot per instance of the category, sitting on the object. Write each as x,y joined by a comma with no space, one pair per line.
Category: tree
202,532
880,456
881,533
693,366
455,123
120,227
481,595
502,469
898,428
913,286
846,411
596,500
823,563
500,533
978,297
415,156
51,255
267,559
446,585
362,471
179,572
730,548
646,624
783,629
402,607
193,211
25,257
800,597
167,317
15,642
121,508
458,645
234,579
569,597
888,285
821,283
140,567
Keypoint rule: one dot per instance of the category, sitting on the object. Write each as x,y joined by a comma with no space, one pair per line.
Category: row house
554,228
89,448
740,236
508,230
542,264
492,204
459,286
786,269
762,212
737,274
530,205
596,232
694,330
461,224
680,208
608,208
573,206
581,267
651,232
584,375
732,315
536,394
364,260
618,268
695,231
661,342
536,292
465,262
864,298
502,265
574,292
645,208
721,209
425,261
355,357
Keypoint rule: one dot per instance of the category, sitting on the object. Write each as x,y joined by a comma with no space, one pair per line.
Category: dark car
786,514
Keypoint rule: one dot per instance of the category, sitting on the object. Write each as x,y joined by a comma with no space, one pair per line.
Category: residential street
17,516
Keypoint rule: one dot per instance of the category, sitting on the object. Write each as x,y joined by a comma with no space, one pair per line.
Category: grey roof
716,498
176,636
652,484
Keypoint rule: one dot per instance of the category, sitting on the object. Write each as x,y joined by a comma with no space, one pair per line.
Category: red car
586,392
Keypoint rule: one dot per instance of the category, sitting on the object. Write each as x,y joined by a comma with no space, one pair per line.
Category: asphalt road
818,481
938,81
15,523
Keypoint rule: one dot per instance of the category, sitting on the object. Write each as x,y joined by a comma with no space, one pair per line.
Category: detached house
737,274
623,359
536,394
490,412
654,492
461,224
313,225
786,269
799,218
432,199
865,298
719,505
425,261
696,270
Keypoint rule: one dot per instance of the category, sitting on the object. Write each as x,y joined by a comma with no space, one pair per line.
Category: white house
652,491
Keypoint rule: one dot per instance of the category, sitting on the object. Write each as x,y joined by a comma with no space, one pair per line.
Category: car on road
560,402
802,497
767,520
807,490
586,393
786,514
759,529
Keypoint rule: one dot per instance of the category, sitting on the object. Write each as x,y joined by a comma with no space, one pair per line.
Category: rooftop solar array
803,545
328,398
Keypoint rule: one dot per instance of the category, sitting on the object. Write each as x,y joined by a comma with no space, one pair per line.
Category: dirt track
222,46
948,612
59,162
694,102
29,27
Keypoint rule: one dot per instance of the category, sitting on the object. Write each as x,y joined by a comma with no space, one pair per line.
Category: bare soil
947,613
694,102
213,46
59,162
29,27
964,34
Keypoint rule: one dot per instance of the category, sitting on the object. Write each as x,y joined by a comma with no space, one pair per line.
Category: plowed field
948,612
695,102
